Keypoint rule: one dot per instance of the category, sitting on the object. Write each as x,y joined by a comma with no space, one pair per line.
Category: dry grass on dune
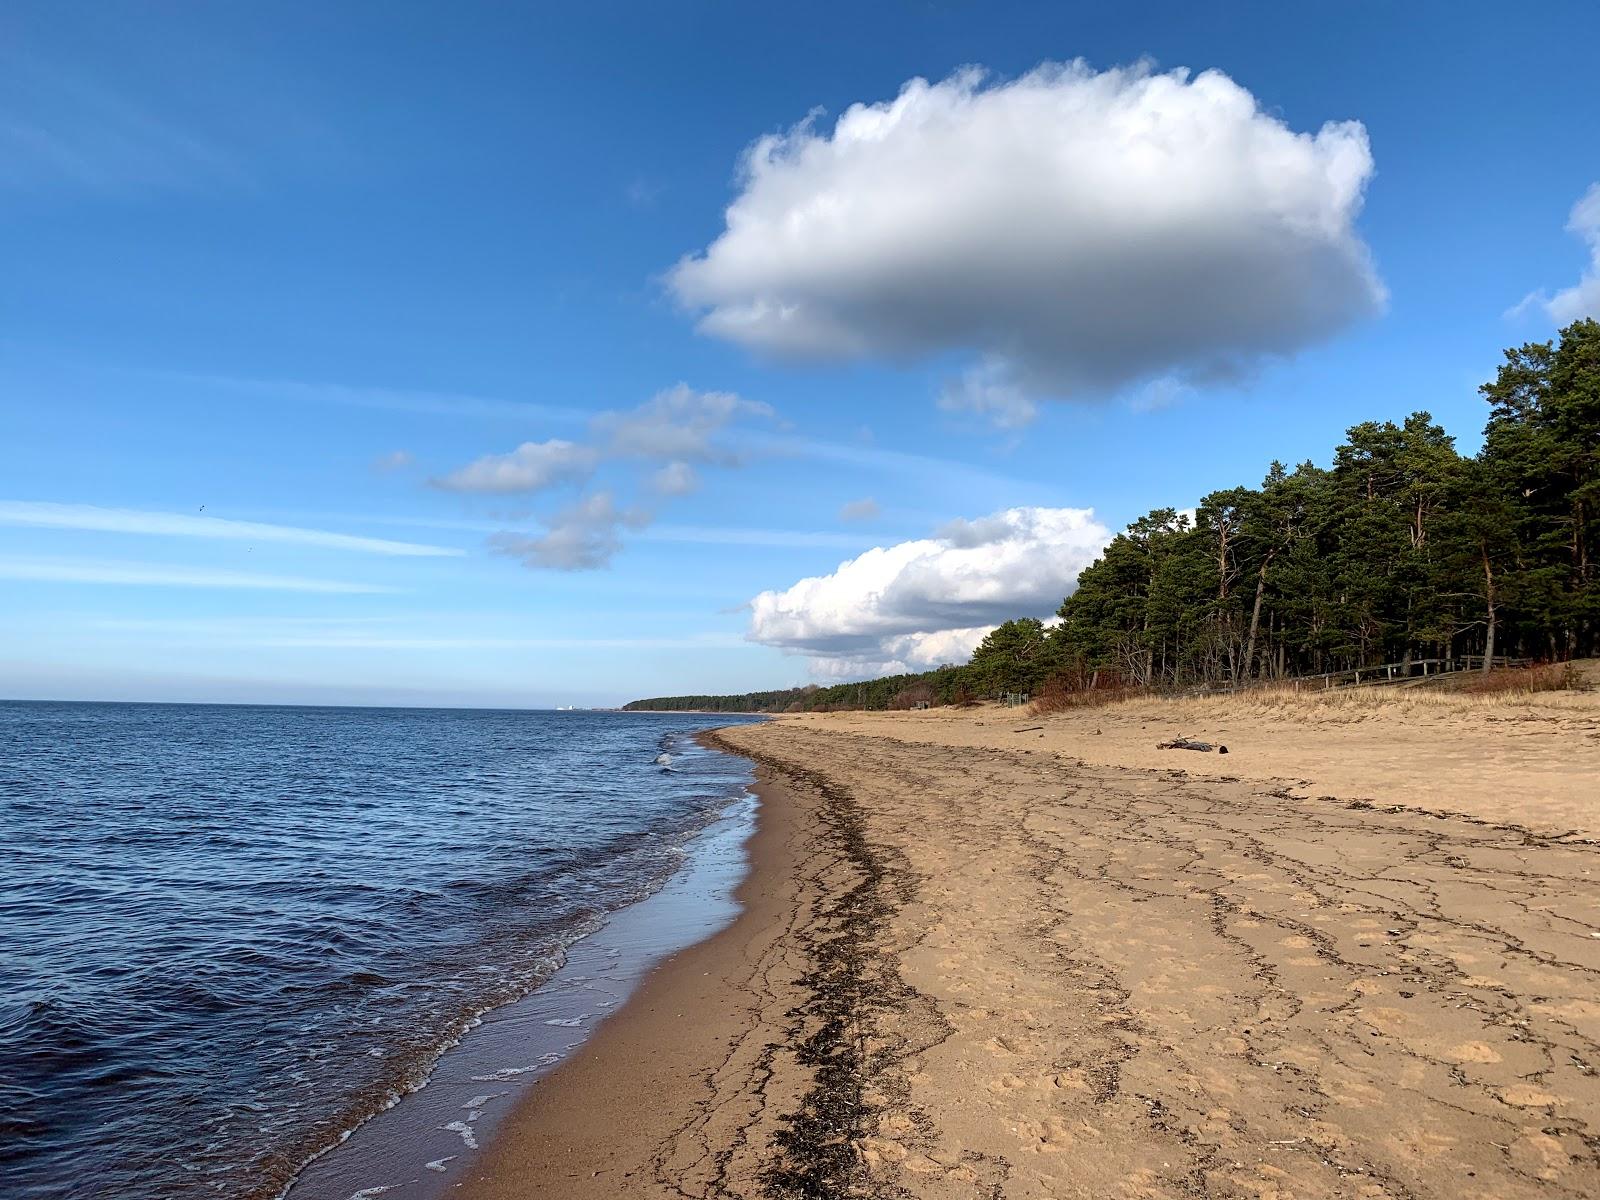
1557,687
1522,681
1057,695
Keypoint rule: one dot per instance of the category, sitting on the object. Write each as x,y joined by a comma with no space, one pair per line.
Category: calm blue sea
230,934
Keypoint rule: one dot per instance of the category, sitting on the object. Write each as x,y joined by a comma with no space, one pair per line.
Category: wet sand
975,968
680,1091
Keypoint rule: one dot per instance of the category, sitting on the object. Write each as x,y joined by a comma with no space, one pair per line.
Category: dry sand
980,963
1533,761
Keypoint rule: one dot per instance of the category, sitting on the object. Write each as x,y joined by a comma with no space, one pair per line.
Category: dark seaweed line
853,991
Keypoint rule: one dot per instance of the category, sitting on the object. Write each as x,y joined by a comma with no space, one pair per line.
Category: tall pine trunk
1488,597
1255,616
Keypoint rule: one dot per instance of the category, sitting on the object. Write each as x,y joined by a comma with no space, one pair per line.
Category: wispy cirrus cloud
66,127
921,470
714,535
637,426
387,399
710,535
114,102
141,574
394,460
721,641
89,517
723,444
379,633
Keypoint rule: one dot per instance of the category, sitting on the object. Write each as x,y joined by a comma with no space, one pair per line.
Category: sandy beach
1358,956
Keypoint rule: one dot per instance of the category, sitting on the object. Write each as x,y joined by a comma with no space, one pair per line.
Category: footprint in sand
1050,1136
1007,1084
1524,1096
1541,1156
1474,1052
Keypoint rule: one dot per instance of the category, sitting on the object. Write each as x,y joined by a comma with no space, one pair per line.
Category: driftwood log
1183,743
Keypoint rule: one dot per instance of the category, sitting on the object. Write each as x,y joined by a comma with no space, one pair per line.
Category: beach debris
1184,743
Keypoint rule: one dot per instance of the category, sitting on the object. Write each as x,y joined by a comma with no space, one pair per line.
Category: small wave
505,1073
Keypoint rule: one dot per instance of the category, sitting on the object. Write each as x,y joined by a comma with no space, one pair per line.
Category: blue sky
303,265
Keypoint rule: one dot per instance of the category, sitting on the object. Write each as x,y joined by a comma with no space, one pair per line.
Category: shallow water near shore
418,1149
236,934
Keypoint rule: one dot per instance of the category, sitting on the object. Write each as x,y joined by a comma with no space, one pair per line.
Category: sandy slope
1534,762
978,968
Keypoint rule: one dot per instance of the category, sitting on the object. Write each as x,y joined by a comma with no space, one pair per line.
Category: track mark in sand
1159,985
857,1021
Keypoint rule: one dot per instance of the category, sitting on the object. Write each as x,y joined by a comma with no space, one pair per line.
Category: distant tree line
1403,548
780,700
946,685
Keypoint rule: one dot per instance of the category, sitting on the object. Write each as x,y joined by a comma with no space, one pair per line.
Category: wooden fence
1404,671
1416,671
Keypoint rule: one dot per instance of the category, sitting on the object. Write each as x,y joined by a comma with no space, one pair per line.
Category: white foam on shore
505,1073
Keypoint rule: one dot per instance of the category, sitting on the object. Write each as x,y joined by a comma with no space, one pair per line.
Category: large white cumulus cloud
1073,230
921,603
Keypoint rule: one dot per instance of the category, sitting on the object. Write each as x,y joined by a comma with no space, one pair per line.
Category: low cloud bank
920,603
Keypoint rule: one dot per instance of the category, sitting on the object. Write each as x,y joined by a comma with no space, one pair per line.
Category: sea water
231,935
